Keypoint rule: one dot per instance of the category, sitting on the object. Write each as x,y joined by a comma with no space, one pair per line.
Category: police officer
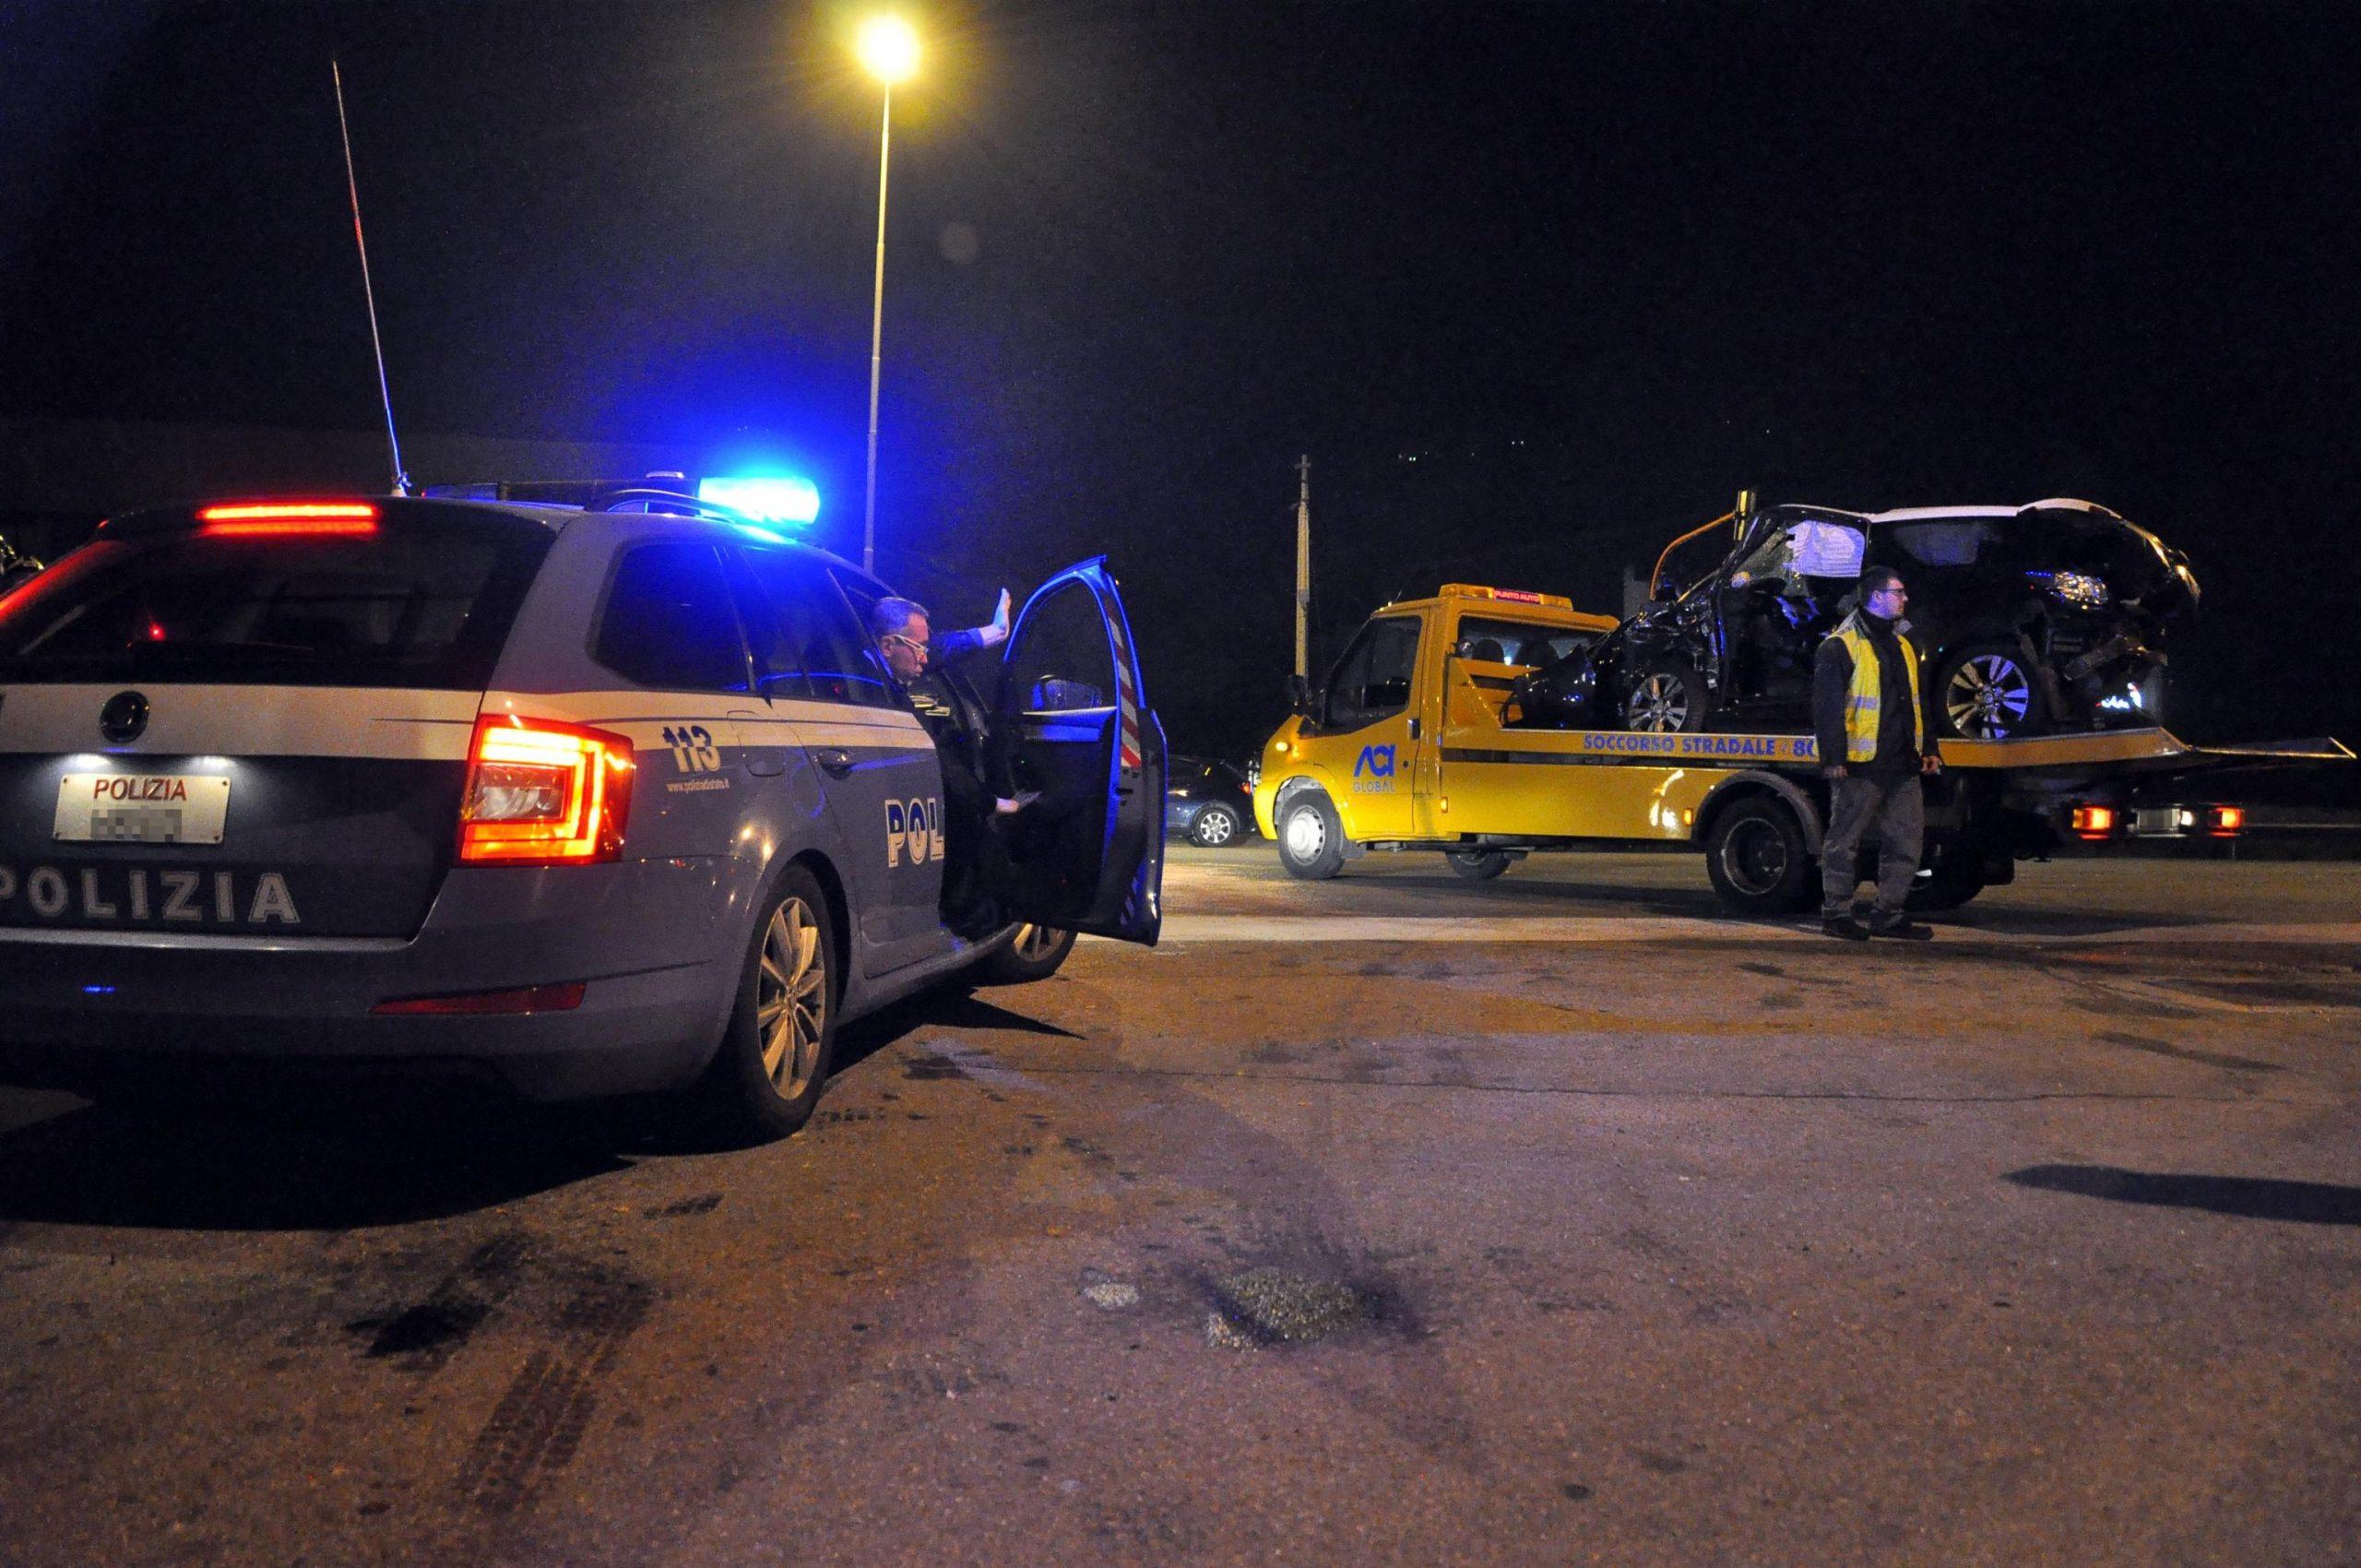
975,863
1872,729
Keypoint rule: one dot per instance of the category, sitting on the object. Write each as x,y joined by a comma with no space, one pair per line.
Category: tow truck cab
1413,743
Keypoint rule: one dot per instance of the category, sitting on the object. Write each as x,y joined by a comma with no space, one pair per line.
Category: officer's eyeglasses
911,643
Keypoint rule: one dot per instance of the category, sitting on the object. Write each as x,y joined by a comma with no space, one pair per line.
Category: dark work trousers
1891,810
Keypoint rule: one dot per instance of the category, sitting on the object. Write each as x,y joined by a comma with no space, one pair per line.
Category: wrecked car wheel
1664,699
1985,692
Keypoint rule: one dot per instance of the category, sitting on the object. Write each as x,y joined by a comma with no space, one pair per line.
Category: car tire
1035,953
1215,826
1478,865
1663,697
1311,839
773,1059
1757,860
1987,691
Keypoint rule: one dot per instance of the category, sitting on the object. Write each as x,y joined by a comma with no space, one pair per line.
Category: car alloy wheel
1034,943
1987,698
1659,704
1215,826
791,997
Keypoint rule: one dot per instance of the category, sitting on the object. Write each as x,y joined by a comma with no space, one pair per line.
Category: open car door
1073,724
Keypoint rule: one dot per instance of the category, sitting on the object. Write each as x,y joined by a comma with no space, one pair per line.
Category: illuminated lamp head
765,498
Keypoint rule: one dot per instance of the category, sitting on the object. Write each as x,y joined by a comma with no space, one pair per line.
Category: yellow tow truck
1415,743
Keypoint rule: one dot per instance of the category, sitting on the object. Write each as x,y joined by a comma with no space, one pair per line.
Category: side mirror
1298,694
1051,694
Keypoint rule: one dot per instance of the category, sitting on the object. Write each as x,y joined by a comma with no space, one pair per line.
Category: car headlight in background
2078,589
1254,773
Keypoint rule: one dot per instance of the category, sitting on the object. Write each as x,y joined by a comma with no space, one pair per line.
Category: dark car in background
2027,619
1208,801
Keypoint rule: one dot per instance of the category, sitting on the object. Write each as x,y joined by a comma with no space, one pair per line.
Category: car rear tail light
543,794
276,517
2225,822
563,998
2095,823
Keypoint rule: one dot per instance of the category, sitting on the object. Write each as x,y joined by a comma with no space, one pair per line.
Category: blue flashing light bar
765,498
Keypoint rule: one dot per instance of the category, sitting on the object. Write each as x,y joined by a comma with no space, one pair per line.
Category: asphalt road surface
1393,1219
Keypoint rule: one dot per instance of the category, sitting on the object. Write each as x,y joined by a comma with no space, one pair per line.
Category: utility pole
1303,569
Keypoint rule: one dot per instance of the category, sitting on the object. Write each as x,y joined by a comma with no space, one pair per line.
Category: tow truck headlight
543,794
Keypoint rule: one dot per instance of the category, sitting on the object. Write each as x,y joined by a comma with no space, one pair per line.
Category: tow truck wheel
1663,697
1757,861
1035,953
1477,865
1984,692
1946,883
774,1058
1311,841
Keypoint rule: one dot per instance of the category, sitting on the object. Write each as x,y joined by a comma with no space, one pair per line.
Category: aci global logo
1375,761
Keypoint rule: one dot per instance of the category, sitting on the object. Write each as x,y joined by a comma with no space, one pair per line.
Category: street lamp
890,51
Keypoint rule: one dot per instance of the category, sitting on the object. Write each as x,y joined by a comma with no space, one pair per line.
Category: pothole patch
1272,1306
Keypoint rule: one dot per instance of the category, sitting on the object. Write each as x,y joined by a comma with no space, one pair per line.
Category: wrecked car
2028,620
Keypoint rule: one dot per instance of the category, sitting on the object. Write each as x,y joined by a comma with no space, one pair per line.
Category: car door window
1061,661
1954,543
670,621
1372,680
812,634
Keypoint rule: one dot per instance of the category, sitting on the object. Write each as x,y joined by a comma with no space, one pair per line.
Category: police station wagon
587,800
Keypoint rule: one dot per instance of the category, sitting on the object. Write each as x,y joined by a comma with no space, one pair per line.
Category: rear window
670,622
421,603
1512,642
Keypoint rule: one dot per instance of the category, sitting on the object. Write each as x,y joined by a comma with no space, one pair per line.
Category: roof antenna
352,187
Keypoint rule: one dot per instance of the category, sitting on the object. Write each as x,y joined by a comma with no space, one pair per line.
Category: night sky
1536,286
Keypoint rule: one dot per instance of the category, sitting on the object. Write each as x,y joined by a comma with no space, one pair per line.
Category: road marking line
1184,929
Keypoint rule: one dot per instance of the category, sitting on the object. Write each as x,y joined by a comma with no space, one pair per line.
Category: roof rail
592,495
646,498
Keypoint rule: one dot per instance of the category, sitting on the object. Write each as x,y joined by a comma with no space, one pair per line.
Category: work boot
1901,928
1844,926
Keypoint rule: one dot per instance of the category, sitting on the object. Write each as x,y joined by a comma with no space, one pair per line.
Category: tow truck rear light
2093,823
540,792
2225,822
265,518
563,998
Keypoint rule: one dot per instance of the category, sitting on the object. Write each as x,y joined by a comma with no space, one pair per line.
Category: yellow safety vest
1862,702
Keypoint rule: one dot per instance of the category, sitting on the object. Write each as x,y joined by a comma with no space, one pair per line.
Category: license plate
142,808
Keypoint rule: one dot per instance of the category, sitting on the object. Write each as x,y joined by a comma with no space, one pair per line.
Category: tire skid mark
537,1427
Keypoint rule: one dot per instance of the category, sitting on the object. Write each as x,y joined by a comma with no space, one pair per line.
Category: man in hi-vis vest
1871,731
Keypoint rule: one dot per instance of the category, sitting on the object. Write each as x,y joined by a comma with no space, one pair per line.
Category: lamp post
890,50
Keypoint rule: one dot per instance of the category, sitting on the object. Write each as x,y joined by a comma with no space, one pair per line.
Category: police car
586,800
